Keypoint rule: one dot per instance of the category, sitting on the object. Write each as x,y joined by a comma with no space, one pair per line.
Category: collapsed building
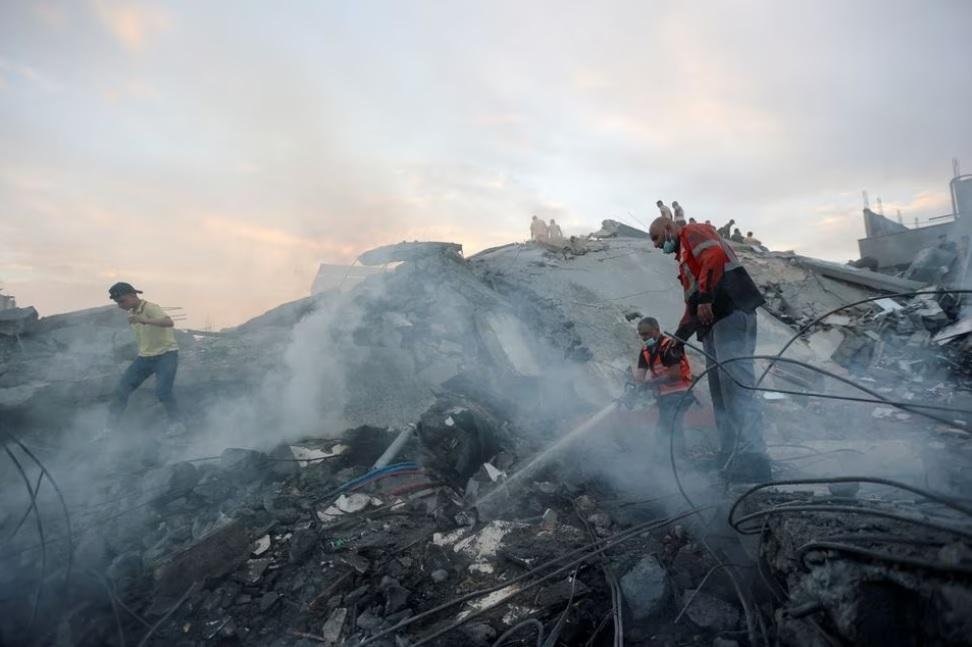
436,454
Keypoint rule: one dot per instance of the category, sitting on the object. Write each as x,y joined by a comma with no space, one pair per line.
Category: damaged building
439,454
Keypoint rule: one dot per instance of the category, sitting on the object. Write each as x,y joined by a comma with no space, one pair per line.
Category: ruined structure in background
284,520
894,247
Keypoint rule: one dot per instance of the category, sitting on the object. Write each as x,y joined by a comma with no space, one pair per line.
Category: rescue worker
737,236
752,240
554,235
663,367
538,230
665,211
720,306
158,354
679,212
726,229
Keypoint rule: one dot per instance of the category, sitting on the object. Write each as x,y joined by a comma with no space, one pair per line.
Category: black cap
121,289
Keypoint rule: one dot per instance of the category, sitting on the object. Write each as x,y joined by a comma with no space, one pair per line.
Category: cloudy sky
214,153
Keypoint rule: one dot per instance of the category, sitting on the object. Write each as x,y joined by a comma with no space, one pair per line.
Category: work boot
749,467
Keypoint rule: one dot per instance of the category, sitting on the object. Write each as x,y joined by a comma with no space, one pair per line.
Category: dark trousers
671,411
737,411
164,367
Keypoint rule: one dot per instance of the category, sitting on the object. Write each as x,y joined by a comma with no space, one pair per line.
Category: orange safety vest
695,239
685,371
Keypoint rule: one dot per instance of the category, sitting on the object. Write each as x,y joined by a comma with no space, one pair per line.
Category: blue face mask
649,343
669,246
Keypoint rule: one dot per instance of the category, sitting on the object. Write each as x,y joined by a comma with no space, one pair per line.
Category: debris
331,633
709,612
409,252
351,503
645,587
549,521
261,545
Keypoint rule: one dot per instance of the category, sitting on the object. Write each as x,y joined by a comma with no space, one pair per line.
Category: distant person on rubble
664,368
679,212
737,236
665,211
726,230
158,354
752,240
538,230
720,307
691,221
554,235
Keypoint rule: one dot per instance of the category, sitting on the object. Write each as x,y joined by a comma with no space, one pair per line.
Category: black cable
927,494
64,507
869,512
168,614
866,553
616,539
40,533
608,544
30,506
526,623
816,321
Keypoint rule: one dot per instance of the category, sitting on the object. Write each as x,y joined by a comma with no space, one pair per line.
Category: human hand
705,314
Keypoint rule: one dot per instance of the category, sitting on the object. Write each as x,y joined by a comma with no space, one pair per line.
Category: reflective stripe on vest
732,263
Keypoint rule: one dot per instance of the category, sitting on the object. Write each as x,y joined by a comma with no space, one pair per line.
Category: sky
213,154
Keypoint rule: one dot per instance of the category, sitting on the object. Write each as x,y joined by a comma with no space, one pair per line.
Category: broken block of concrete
18,321
213,555
645,588
334,626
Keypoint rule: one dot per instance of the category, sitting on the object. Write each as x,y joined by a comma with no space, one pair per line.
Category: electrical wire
168,614
526,623
583,551
866,553
927,494
458,623
64,508
40,532
869,512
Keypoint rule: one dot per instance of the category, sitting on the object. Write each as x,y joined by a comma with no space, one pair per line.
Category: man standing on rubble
679,212
720,306
538,230
158,354
665,211
554,234
664,368
726,230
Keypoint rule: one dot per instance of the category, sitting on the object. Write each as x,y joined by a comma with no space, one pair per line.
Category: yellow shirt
152,340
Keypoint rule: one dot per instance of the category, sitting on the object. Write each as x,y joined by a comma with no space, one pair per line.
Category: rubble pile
306,545
363,467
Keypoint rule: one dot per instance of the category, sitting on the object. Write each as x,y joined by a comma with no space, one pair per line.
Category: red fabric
707,268
682,370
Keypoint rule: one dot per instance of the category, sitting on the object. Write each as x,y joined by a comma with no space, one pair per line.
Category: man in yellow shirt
158,353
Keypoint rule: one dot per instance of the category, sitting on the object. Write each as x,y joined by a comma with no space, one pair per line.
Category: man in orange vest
720,306
663,366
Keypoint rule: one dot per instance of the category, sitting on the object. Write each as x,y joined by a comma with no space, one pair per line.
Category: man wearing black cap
158,353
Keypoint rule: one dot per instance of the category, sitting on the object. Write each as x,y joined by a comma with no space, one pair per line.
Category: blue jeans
737,411
164,367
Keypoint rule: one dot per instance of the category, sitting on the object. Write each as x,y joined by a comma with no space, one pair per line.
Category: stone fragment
334,626
645,587
440,575
261,546
268,600
549,520
302,543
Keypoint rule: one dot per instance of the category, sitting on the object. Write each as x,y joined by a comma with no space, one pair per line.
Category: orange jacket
668,358
710,273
